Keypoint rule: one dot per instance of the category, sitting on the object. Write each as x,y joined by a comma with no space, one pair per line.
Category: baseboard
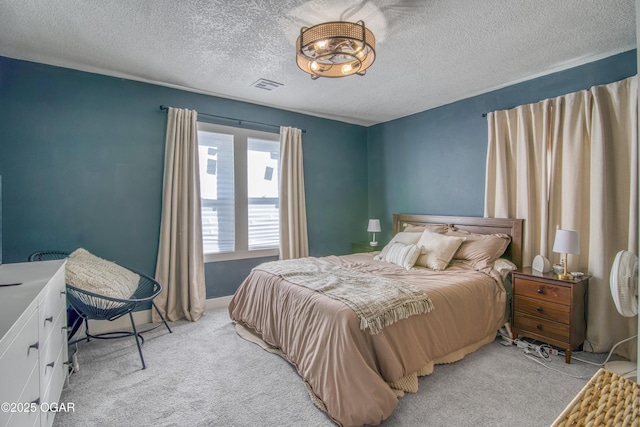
143,317
216,303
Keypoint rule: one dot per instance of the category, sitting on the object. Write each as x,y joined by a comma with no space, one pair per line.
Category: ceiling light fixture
335,49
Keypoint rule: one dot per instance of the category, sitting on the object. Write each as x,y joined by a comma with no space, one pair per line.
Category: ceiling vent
266,84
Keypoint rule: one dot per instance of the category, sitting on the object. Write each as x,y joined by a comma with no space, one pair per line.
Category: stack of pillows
436,246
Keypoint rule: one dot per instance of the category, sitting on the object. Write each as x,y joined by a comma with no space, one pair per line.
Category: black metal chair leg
135,334
162,317
86,329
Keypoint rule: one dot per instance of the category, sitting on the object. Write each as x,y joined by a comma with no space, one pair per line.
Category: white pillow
405,237
91,273
504,266
437,249
402,255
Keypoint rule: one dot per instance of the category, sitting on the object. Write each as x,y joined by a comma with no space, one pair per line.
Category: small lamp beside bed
566,242
374,227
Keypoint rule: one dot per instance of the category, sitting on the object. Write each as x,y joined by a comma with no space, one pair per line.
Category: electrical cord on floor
608,357
554,369
537,353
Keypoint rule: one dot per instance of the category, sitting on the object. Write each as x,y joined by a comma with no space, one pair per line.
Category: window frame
240,191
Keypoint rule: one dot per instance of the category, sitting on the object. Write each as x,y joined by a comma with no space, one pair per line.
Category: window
239,186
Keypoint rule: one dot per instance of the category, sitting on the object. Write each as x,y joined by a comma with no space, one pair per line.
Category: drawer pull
36,402
540,291
539,309
63,292
33,346
51,365
48,319
539,327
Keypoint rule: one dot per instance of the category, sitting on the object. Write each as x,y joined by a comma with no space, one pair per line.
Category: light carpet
204,374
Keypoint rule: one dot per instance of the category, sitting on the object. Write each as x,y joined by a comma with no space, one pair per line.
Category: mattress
349,370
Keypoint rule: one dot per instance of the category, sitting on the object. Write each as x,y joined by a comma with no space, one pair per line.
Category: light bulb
347,69
322,44
314,66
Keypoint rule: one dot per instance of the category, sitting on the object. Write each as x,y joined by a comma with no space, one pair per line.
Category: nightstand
549,309
365,247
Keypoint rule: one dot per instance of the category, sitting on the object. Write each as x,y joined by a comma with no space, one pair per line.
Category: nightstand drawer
543,291
538,326
543,309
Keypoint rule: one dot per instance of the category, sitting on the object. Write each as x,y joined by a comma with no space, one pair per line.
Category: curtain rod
240,121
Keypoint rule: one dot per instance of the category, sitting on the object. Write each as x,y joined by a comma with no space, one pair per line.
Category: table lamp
374,227
566,242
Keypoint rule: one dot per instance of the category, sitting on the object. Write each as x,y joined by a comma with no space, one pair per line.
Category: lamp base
373,244
563,276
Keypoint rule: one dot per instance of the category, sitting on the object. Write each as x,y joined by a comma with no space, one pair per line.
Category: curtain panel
572,162
294,241
180,263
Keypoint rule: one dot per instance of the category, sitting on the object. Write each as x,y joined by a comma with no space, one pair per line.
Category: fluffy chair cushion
91,273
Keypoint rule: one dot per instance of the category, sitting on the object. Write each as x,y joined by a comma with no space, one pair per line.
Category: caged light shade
335,49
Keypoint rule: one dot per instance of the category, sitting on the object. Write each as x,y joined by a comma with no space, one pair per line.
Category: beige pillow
402,255
407,238
442,228
91,273
504,266
480,250
437,249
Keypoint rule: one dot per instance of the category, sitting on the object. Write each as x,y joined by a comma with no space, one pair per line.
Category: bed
353,374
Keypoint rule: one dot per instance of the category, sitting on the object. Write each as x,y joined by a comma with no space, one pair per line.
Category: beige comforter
348,369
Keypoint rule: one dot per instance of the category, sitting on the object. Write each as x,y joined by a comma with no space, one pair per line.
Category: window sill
229,256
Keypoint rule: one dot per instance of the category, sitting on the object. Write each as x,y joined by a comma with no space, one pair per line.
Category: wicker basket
607,400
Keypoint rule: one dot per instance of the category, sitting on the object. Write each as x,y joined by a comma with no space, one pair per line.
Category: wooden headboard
510,226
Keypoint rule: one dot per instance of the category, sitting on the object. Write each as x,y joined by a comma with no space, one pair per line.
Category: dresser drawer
49,352
18,361
543,291
17,415
543,327
53,302
543,309
54,389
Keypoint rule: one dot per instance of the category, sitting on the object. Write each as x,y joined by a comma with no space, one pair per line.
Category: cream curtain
589,140
293,212
180,264
517,172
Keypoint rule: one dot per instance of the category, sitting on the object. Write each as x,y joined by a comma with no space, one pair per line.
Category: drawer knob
540,291
539,309
539,327
48,319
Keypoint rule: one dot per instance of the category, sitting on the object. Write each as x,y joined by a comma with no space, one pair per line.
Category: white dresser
33,342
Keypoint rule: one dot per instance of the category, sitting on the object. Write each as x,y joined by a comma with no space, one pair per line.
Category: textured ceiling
429,52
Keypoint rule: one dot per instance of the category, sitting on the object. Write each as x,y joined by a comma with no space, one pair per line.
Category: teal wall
81,159
433,162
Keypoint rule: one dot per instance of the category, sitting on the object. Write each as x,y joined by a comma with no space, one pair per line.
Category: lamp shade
566,242
374,226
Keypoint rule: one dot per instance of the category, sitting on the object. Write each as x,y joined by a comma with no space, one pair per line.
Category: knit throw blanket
376,300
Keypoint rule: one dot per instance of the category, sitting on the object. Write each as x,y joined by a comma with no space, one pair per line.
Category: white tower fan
624,290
